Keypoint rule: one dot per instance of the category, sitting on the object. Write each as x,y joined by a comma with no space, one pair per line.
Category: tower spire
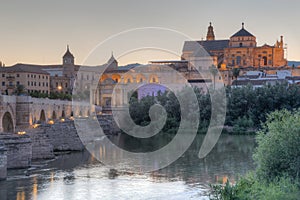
243,25
210,33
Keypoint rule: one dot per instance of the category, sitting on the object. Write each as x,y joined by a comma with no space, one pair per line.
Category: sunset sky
36,31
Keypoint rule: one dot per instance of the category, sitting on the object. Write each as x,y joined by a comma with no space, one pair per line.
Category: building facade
31,78
240,50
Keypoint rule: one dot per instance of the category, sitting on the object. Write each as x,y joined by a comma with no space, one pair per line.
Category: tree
235,72
20,90
214,71
278,152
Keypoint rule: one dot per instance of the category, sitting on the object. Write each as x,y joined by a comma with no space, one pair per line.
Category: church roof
242,33
208,45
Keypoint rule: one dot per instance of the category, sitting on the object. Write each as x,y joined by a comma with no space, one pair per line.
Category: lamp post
59,88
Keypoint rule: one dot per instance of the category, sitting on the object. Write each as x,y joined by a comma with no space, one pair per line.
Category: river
80,176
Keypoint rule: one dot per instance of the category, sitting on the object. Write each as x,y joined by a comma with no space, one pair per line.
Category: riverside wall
17,151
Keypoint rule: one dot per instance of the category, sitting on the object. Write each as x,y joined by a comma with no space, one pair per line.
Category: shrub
278,152
249,187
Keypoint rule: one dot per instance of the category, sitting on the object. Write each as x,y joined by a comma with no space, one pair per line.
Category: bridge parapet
20,112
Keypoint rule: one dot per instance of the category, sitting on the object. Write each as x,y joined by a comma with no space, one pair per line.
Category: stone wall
108,124
3,162
19,150
63,136
42,147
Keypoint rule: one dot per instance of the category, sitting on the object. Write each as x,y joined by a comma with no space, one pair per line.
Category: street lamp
59,88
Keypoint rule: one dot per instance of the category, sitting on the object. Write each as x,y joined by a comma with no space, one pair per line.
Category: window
141,80
3,75
43,84
265,60
3,83
28,83
56,84
18,83
27,75
46,84
39,84
39,76
18,75
66,85
128,80
34,83
10,83
238,60
241,44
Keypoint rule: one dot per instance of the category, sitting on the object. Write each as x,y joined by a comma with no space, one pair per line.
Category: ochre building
240,50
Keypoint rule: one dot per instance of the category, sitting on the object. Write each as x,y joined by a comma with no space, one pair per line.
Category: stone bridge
18,113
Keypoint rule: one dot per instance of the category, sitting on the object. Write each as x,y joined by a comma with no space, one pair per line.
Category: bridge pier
3,162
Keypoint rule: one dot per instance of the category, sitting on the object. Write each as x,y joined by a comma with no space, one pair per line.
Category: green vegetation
278,163
278,153
246,107
61,96
20,90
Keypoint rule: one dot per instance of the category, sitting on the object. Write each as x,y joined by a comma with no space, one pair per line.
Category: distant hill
296,63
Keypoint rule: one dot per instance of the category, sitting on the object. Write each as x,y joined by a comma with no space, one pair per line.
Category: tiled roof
241,33
24,68
257,82
209,46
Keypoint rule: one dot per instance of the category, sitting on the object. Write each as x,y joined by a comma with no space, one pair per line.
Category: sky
38,31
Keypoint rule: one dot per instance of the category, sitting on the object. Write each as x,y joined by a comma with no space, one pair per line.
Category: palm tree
214,72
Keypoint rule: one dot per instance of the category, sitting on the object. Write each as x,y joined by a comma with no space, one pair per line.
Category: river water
80,176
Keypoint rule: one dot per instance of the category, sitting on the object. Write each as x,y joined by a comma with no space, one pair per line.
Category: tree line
246,108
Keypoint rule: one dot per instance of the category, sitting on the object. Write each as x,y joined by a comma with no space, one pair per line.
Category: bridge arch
7,123
63,114
54,115
42,116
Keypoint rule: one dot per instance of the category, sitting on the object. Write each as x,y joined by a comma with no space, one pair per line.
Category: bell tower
68,63
210,33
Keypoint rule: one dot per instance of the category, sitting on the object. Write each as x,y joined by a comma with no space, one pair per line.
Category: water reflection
80,176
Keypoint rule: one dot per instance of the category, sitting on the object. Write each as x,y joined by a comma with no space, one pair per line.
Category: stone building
31,77
240,50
